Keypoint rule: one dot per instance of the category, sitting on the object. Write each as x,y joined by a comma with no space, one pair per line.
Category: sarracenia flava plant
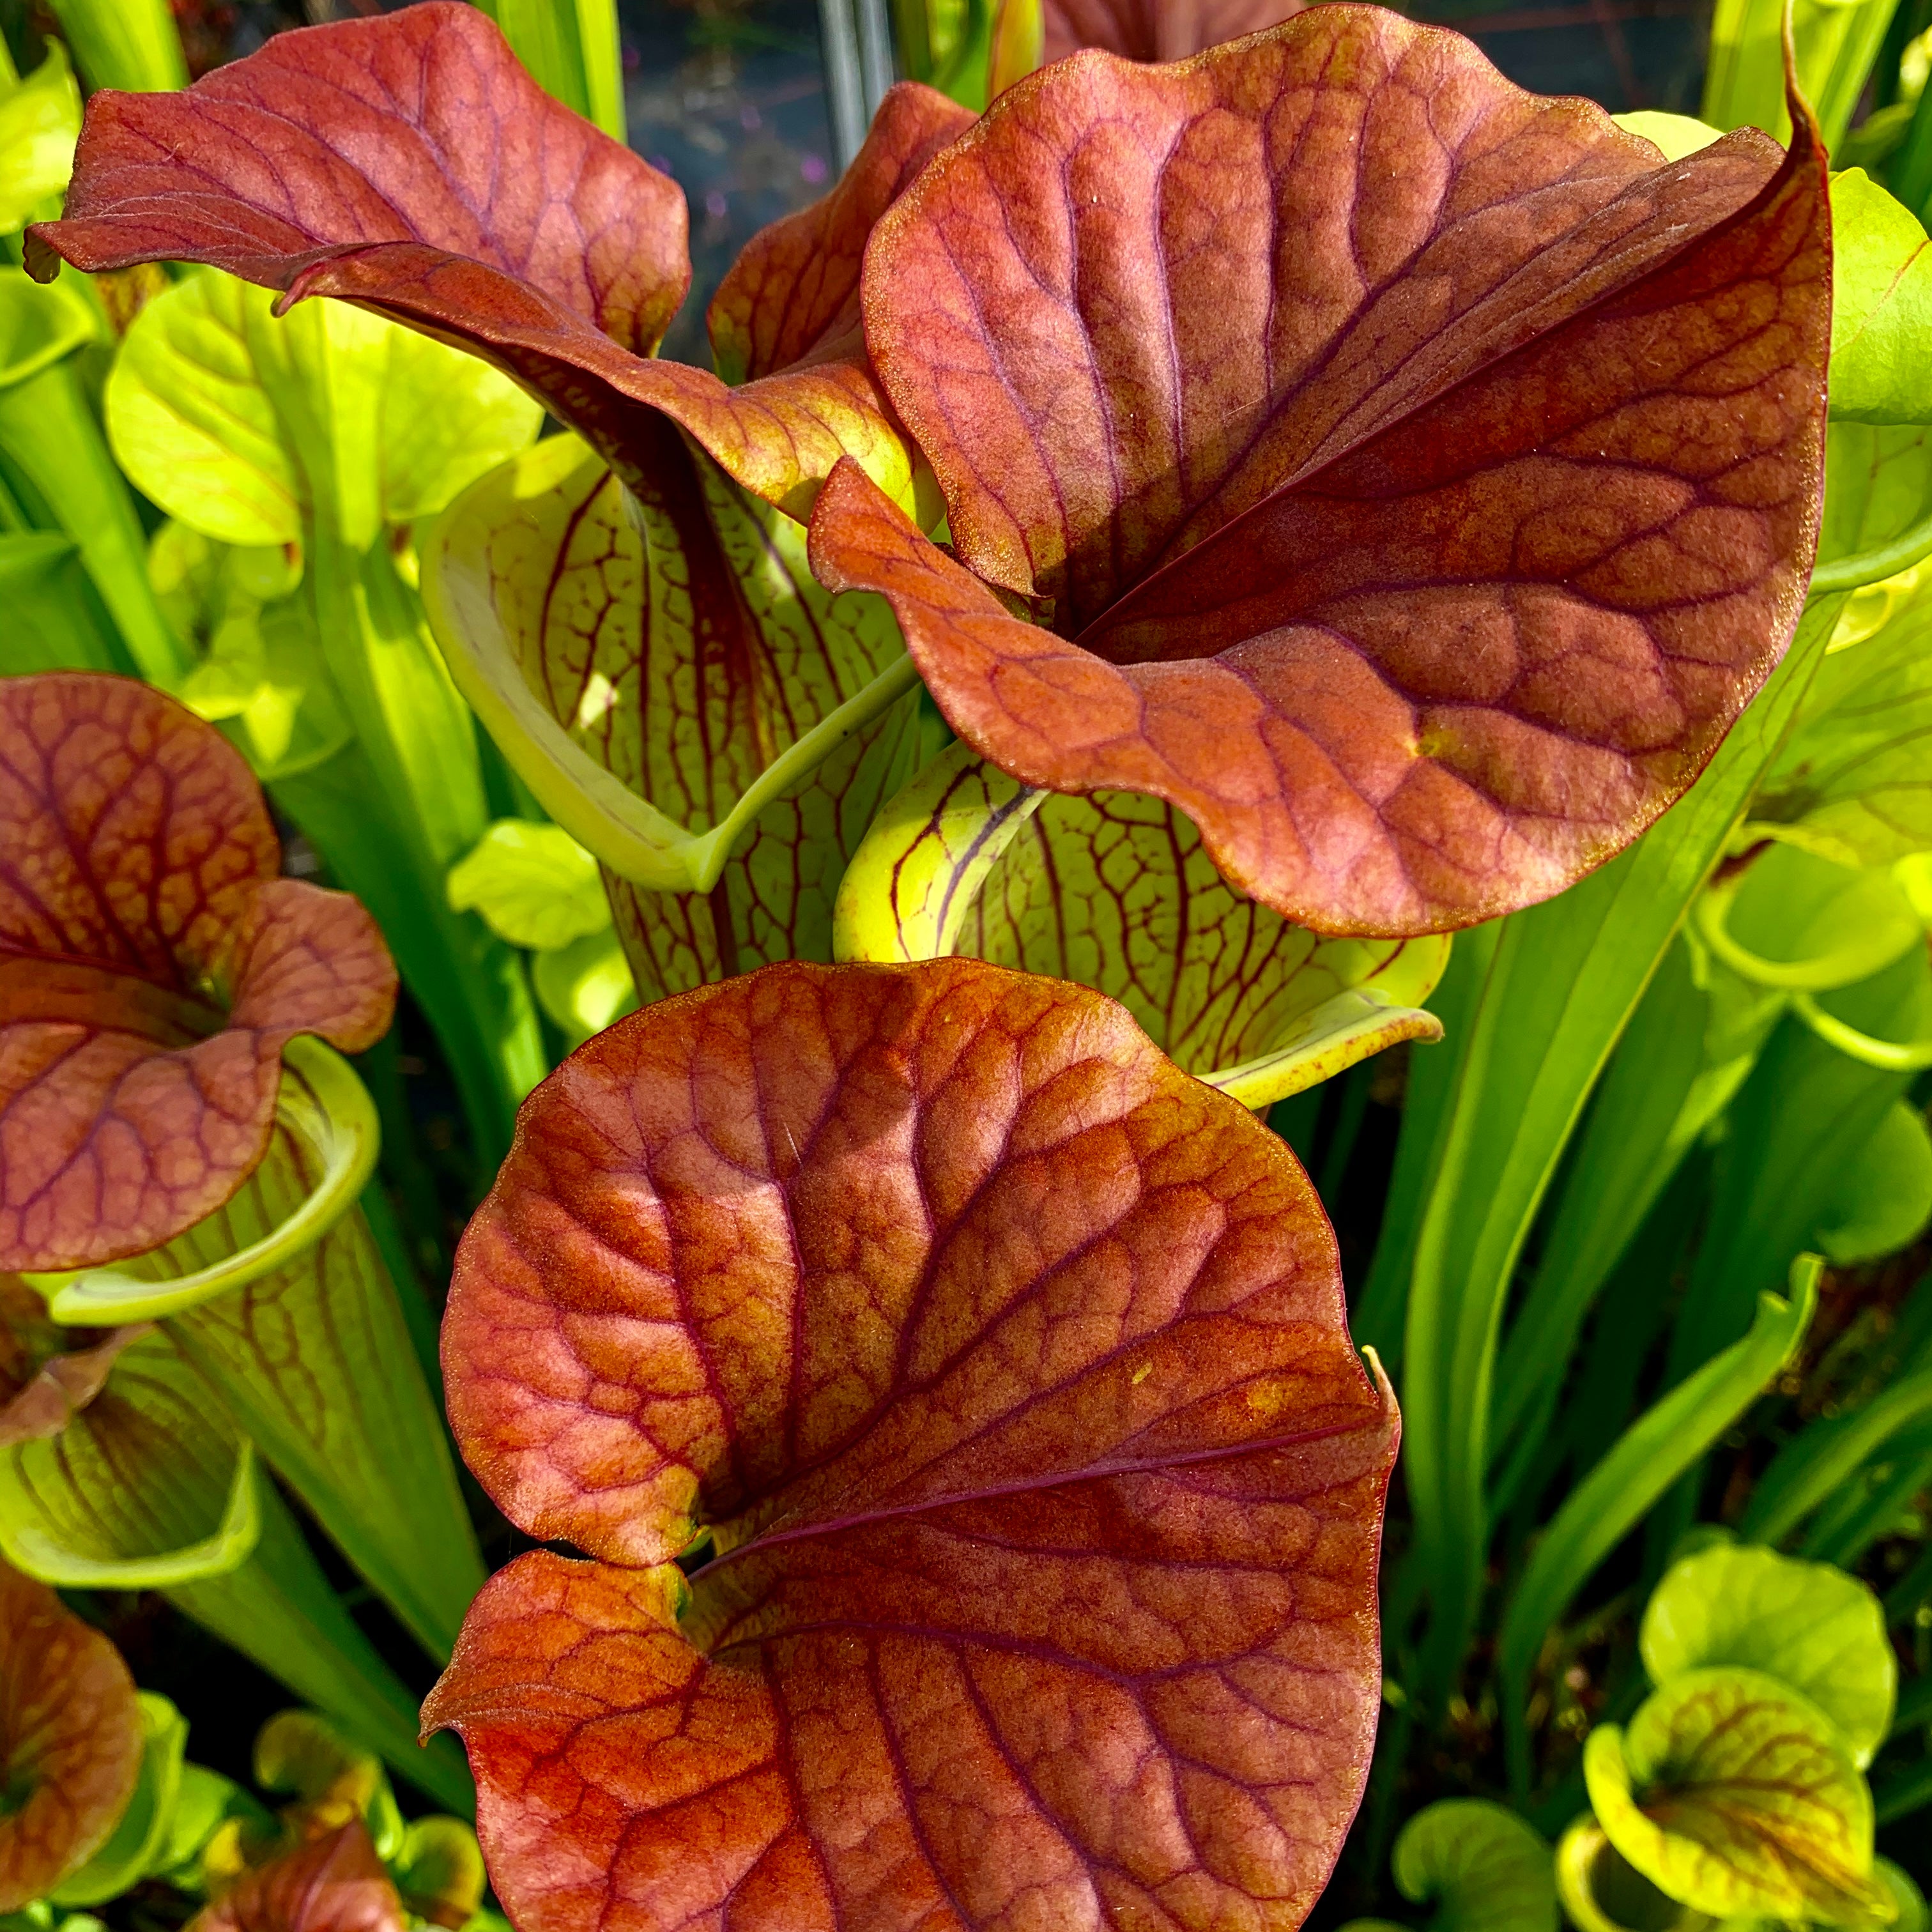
1371,493
189,1279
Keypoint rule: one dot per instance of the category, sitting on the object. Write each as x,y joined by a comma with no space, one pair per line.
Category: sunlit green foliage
1645,1258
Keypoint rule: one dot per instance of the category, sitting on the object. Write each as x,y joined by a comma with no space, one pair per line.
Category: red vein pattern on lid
676,634
154,967
333,1883
70,1740
410,165
1007,1366
1416,478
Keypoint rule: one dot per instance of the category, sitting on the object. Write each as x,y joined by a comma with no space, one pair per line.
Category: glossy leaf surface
793,296
1006,1366
411,166
1155,30
39,118
1807,1625
1114,891
422,134
246,426
534,884
1415,498
70,1740
1882,307
335,1883
1737,1796
679,693
156,967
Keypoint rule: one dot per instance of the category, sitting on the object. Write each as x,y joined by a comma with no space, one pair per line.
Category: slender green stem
572,48
51,445
1815,1464
1564,980
130,44
1613,1498
1381,1313
1629,1148
392,814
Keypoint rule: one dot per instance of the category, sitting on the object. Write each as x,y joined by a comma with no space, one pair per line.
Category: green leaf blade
1643,1463
1564,979
278,1610
40,121
1881,369
534,884
1884,1200
55,462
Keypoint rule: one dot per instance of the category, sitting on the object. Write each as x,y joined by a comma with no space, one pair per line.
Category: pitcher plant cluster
1234,539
